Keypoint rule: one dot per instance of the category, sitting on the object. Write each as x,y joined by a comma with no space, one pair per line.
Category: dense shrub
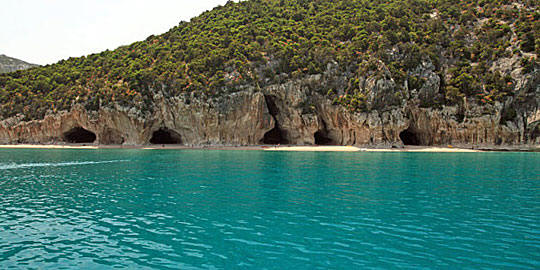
261,41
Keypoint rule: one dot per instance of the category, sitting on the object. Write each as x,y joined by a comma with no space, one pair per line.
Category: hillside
9,64
340,72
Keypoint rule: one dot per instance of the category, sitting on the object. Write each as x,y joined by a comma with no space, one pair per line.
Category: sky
47,31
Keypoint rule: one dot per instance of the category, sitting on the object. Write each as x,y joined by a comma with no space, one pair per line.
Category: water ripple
11,166
229,210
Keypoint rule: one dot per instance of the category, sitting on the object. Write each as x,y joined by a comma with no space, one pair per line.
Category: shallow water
99,209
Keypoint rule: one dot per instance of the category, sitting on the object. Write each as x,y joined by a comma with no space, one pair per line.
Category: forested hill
256,42
10,64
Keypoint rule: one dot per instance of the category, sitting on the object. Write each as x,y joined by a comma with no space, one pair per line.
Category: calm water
260,210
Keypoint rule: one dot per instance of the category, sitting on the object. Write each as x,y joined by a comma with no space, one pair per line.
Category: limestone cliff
354,72
295,112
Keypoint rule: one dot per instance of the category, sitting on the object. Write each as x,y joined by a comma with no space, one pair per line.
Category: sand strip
315,148
266,148
357,149
46,146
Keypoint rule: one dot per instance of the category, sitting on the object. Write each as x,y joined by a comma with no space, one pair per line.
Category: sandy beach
143,147
315,148
260,147
359,149
46,146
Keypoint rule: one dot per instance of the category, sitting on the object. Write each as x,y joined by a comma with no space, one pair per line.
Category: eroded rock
297,112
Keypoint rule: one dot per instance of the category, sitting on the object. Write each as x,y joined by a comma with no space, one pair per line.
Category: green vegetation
263,42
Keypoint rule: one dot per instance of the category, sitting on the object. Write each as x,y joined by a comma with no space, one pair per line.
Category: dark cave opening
409,137
165,136
79,135
321,138
274,136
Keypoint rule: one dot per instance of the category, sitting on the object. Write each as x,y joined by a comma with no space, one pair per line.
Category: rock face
408,123
239,119
9,64
295,112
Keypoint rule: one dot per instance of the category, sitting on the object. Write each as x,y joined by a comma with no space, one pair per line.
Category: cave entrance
321,138
165,136
409,137
79,135
274,136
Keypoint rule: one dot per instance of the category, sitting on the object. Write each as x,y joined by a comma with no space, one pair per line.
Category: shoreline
286,148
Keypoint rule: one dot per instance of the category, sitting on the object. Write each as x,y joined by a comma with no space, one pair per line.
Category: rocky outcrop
481,125
240,119
9,64
297,112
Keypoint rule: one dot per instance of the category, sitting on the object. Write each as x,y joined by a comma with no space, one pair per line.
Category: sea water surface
189,209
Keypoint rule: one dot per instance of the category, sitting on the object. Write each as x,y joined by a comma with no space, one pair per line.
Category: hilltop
424,72
9,64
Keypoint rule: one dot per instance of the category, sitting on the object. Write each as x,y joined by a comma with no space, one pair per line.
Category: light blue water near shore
268,210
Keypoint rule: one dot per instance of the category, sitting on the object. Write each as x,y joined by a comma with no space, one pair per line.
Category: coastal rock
297,112
242,120
468,76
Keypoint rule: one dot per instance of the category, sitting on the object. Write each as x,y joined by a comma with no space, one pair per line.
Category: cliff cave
79,135
165,136
275,135
409,137
321,138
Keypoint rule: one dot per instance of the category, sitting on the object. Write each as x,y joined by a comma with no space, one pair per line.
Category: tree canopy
262,42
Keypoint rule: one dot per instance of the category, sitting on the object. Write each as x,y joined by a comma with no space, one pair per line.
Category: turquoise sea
189,209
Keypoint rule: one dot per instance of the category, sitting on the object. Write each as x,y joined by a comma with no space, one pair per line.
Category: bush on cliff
263,42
